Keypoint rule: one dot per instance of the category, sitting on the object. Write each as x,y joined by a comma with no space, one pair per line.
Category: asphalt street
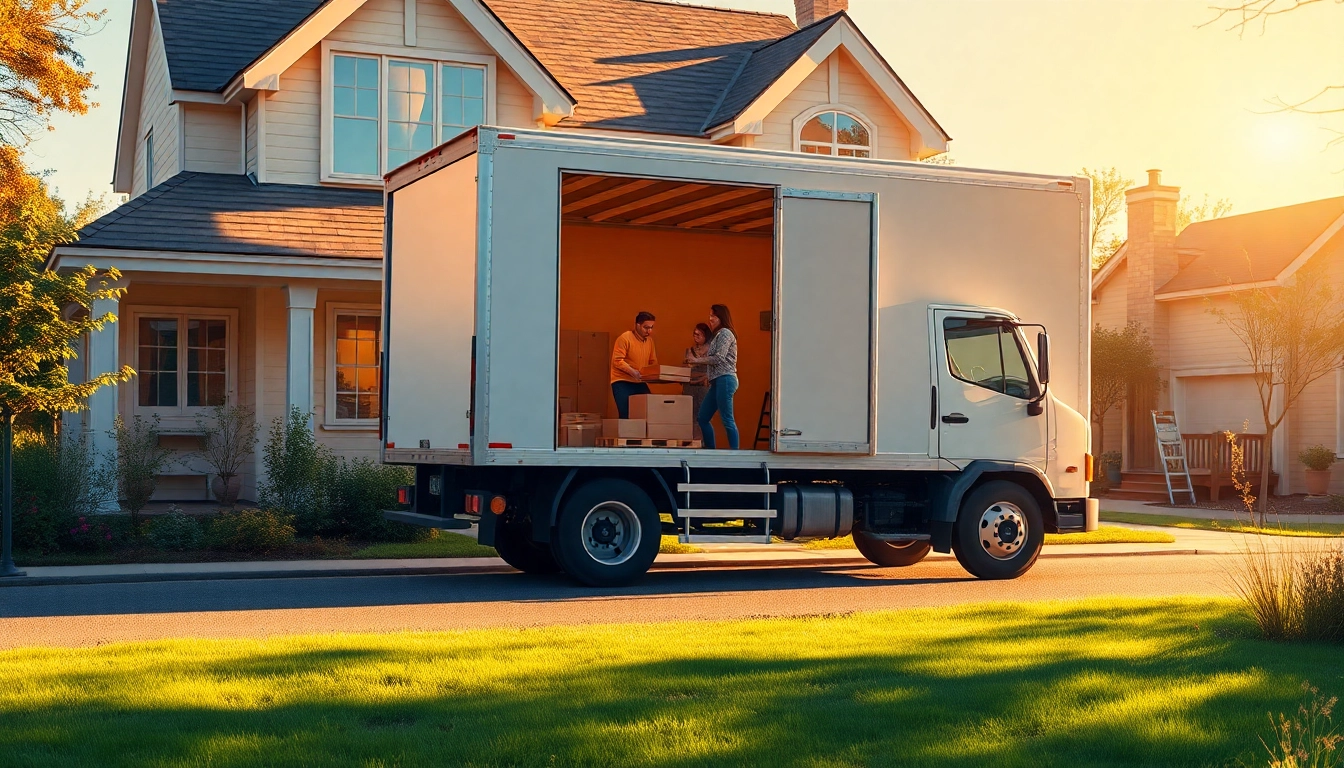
92,614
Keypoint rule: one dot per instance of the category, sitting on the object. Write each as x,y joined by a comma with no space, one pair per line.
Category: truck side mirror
1043,357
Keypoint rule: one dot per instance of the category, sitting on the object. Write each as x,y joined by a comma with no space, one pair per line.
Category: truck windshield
986,353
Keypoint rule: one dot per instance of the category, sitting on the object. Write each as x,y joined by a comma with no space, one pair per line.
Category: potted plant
1110,465
1318,459
226,441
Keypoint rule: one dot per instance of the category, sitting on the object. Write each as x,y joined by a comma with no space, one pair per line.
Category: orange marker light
497,505
1091,470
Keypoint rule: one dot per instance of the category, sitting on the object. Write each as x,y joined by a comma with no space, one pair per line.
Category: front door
985,390
825,277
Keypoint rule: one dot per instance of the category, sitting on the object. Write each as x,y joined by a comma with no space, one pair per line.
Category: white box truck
891,321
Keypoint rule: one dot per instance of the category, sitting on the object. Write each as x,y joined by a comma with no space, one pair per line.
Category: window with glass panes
427,103
183,361
357,373
835,133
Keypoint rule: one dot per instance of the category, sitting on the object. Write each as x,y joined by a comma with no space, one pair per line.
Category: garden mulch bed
1296,504
320,549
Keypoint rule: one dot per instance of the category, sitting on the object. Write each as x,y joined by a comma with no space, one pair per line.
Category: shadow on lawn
347,592
1049,685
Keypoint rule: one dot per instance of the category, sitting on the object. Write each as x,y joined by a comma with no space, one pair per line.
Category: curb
466,569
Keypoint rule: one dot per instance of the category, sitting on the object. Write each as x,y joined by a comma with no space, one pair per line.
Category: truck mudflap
1077,515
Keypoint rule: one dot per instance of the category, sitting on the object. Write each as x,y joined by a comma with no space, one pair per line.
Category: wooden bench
1209,457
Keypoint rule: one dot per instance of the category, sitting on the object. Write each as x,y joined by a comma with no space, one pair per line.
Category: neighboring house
1167,282
254,135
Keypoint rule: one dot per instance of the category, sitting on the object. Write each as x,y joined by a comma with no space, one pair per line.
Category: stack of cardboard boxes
580,430
666,417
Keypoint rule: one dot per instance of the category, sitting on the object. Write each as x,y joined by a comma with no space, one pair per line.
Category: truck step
427,521
724,488
704,538
727,514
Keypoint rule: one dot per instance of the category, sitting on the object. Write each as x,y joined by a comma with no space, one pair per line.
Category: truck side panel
430,317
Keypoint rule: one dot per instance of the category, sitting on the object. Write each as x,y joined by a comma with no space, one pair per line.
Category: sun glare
1282,135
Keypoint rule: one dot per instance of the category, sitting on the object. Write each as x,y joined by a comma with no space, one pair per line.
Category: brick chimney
1151,255
810,11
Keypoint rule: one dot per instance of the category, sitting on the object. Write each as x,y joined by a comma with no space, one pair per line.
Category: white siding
1109,309
157,114
1198,340
1219,403
252,111
214,138
293,115
892,136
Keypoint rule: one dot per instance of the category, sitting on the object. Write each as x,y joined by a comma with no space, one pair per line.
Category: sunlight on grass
1107,534
1147,682
1225,526
670,546
444,545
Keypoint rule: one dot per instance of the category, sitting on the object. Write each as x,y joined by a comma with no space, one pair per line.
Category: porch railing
1211,454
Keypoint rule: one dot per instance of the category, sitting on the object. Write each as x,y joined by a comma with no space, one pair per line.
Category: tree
40,71
42,313
1292,336
1121,360
1188,213
1108,201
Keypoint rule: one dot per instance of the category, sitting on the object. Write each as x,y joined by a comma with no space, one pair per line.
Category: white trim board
200,263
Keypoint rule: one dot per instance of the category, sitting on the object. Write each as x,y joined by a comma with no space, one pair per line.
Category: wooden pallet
647,442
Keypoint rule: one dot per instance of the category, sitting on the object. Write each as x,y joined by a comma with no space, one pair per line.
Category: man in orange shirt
633,353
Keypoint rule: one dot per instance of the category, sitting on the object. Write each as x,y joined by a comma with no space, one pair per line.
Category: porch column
300,300
104,356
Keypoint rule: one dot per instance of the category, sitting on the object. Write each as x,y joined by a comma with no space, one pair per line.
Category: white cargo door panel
431,309
824,334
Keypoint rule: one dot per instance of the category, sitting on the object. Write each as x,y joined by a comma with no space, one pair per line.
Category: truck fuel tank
813,511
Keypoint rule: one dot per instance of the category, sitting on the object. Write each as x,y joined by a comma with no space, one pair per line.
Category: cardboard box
573,419
666,373
662,409
624,428
671,432
566,405
581,435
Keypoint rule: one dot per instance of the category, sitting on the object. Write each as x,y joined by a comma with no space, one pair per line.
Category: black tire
622,536
514,544
890,554
989,541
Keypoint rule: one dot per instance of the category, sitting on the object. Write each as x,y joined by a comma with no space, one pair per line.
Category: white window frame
182,417
332,48
329,420
851,112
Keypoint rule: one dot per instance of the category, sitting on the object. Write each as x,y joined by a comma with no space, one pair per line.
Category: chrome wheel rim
611,533
1003,530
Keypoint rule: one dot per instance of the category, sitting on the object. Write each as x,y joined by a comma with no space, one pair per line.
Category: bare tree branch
1246,13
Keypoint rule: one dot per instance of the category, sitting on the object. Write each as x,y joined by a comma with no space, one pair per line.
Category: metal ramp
1171,452
688,512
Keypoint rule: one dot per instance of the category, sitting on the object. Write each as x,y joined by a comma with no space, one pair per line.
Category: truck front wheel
608,533
516,547
999,531
890,554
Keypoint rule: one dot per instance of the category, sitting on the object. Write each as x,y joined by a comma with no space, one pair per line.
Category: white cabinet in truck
912,367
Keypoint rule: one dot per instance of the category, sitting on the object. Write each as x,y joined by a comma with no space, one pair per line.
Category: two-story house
254,135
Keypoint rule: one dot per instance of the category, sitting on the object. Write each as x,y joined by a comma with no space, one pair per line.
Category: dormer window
835,133
386,110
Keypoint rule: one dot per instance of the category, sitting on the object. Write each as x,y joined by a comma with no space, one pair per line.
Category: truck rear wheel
515,546
608,533
999,531
890,554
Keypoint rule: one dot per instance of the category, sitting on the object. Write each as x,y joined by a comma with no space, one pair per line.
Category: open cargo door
430,311
824,309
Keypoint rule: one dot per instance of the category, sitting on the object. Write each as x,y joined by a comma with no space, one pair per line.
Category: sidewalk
714,556
1143,508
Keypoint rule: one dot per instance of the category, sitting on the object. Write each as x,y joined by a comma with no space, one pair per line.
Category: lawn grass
443,545
1098,682
1107,534
670,546
1226,526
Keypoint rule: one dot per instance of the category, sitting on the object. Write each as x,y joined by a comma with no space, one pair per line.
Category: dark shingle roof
226,213
763,67
210,41
1251,247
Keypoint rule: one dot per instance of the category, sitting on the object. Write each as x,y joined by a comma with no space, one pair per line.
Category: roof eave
143,15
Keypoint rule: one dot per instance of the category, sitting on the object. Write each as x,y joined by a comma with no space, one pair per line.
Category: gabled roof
227,213
763,66
641,65
210,41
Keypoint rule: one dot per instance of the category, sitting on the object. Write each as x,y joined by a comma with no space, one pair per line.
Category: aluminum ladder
688,512
1171,452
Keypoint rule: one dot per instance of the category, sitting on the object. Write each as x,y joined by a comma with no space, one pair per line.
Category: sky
1046,86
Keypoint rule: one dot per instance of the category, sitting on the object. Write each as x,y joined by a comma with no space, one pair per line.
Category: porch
1209,457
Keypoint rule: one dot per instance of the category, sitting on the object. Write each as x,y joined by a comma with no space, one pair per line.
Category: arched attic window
835,133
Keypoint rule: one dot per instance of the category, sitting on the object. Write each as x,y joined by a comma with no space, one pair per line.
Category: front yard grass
444,545
1225,526
1106,534
1098,682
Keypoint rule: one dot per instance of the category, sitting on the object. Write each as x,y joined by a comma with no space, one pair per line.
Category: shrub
139,462
98,534
226,441
55,481
300,474
1317,457
361,492
176,531
1321,585
251,530
1293,594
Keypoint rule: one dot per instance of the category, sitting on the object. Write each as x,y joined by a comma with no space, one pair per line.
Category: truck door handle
955,418
790,432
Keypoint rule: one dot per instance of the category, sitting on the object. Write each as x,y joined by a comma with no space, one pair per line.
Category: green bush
1317,457
176,531
300,474
361,492
251,530
55,482
1293,594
